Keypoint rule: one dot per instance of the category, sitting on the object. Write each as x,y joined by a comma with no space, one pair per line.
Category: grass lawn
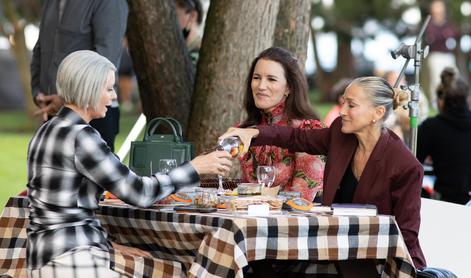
16,131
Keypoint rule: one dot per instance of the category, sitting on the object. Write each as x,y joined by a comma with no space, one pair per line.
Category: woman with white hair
366,162
69,165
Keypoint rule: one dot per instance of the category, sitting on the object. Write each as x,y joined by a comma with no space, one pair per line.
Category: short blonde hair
81,78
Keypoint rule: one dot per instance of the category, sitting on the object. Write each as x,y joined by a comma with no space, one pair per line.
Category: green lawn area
16,130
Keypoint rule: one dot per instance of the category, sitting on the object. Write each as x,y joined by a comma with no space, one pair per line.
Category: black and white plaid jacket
69,165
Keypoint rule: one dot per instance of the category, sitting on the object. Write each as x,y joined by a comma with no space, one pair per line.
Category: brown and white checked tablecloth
221,245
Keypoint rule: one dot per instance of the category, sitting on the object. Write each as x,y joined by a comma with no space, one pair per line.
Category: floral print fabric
298,172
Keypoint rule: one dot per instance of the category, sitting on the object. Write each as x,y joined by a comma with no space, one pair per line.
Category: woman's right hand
217,162
245,135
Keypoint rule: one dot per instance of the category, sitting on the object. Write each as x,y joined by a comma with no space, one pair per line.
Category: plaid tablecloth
222,244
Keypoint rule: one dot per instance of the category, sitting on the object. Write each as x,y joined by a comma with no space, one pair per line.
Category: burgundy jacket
391,180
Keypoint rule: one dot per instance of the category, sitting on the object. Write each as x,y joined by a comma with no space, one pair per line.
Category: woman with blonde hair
69,166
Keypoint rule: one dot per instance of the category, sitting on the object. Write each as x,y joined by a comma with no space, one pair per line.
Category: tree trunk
345,64
292,27
163,67
19,50
236,32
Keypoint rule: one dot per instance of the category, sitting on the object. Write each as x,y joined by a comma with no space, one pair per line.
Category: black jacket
447,139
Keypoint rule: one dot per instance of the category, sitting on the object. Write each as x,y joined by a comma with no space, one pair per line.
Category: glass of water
265,175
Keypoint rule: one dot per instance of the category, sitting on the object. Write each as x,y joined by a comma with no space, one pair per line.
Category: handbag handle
154,123
177,125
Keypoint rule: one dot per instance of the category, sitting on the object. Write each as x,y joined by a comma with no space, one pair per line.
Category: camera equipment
415,52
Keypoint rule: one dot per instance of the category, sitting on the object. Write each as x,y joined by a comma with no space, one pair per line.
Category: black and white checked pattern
80,262
69,165
222,244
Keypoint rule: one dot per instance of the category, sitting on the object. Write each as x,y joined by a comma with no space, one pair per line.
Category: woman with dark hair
277,95
445,138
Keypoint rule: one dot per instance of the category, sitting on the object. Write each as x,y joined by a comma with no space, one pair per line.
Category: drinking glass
165,165
232,145
266,175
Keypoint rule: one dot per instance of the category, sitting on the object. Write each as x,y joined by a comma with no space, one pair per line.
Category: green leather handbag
146,154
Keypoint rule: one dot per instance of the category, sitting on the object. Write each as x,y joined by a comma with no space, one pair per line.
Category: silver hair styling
81,78
380,92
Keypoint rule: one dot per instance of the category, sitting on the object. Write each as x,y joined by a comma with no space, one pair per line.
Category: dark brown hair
297,104
452,90
192,5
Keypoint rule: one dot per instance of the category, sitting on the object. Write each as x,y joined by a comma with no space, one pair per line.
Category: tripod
415,52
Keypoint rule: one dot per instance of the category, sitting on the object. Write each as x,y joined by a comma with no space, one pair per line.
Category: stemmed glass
165,165
232,145
266,175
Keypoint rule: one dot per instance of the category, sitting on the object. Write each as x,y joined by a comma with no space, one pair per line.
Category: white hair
379,91
81,78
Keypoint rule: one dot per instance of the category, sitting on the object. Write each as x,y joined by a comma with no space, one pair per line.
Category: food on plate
177,198
243,203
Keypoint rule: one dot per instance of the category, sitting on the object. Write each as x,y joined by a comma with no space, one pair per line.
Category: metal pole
412,52
414,103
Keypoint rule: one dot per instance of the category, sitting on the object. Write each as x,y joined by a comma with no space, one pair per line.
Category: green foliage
13,148
344,15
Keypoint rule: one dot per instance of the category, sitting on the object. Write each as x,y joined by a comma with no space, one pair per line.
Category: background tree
292,27
163,67
346,18
235,33
16,15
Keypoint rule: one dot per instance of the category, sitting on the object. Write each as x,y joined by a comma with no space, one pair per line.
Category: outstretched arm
312,141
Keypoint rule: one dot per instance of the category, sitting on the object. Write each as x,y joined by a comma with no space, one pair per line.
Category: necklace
359,163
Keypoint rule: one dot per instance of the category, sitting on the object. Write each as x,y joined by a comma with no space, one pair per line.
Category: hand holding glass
266,175
165,165
233,146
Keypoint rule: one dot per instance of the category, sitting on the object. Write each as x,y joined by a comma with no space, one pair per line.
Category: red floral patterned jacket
294,171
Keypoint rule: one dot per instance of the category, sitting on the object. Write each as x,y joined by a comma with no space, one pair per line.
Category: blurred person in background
446,139
441,37
190,17
67,26
126,79
399,121
337,92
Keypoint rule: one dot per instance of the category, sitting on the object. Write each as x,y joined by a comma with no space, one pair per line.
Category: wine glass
165,165
232,145
266,175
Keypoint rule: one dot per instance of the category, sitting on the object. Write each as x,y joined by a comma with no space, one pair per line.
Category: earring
374,121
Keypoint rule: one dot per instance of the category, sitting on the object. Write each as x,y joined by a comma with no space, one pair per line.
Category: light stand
415,52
